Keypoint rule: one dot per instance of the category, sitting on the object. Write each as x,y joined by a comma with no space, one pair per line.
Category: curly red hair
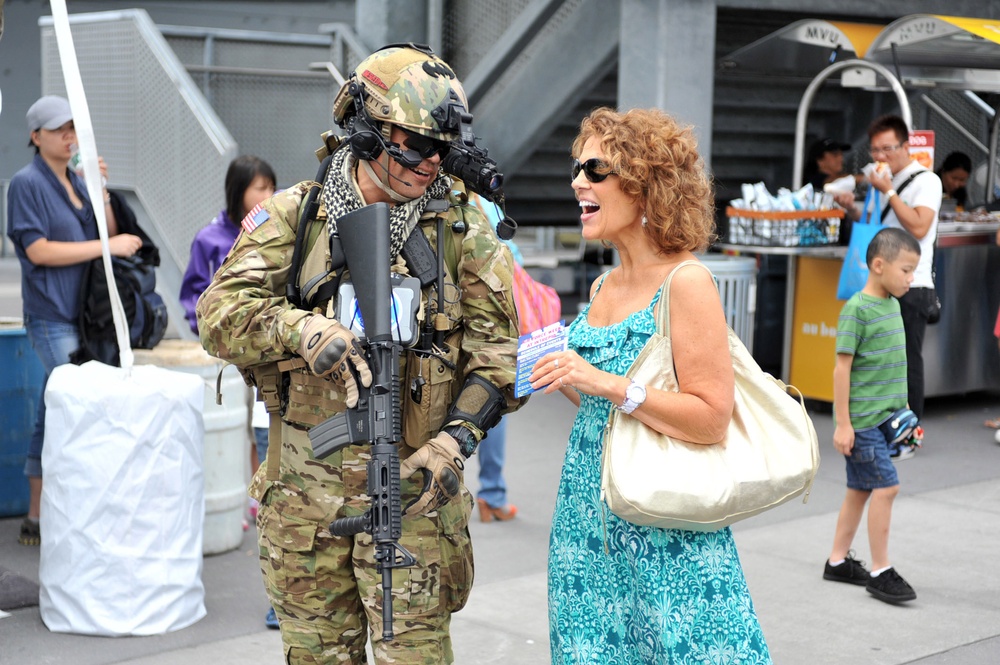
658,166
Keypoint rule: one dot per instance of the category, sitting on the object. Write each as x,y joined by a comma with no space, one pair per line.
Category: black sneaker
890,587
851,571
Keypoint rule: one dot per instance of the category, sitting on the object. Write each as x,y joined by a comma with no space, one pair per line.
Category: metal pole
991,167
435,25
807,97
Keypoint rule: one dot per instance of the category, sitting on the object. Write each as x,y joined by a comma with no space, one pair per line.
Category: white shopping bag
123,500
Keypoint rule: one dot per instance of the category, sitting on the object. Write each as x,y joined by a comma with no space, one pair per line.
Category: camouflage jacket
247,320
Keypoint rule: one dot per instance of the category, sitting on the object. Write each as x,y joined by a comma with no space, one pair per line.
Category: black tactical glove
327,346
443,466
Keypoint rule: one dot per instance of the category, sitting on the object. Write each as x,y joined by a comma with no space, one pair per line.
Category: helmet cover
408,87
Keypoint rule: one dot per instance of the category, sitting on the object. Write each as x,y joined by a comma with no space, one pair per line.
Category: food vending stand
960,352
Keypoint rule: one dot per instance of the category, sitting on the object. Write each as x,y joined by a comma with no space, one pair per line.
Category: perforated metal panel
263,89
277,118
471,28
152,126
953,104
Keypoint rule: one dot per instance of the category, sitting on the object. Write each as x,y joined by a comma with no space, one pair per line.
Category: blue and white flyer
534,346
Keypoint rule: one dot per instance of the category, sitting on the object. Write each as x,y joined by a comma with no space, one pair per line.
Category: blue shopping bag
854,272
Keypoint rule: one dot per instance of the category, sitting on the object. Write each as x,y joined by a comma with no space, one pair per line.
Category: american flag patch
255,218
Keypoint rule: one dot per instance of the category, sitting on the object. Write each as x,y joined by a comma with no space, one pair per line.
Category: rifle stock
377,419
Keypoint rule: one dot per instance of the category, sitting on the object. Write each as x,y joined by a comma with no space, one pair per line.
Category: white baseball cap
49,112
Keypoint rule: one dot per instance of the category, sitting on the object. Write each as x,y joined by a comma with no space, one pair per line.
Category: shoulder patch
257,216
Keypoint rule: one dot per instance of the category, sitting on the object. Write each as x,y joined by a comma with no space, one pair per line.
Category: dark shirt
39,207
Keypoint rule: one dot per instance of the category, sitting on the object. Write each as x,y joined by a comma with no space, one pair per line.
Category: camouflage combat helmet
405,85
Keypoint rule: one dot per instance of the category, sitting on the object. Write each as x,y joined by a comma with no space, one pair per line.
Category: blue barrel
20,389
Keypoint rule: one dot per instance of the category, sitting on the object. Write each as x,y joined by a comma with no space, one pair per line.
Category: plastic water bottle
75,160
76,163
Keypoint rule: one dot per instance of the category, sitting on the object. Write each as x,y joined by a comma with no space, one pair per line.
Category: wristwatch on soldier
635,395
464,436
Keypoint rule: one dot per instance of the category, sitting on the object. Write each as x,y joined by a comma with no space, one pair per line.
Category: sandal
993,423
31,533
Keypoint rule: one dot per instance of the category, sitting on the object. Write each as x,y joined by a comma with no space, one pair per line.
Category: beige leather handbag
769,455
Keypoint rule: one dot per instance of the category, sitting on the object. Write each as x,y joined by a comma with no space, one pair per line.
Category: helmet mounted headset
397,85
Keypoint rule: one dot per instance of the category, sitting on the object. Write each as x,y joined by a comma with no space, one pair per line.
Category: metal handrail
255,36
346,50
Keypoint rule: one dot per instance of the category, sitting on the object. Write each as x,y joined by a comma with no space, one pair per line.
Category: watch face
636,393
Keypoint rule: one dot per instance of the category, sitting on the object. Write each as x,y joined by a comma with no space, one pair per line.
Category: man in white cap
54,231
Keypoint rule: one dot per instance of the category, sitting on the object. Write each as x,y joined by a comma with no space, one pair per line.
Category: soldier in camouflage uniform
399,108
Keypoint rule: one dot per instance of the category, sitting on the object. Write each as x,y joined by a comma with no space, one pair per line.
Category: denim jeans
53,342
492,450
260,438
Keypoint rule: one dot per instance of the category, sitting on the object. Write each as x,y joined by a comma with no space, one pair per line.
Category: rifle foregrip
350,526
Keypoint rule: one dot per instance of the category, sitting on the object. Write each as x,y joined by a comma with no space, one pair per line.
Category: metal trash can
737,278
20,389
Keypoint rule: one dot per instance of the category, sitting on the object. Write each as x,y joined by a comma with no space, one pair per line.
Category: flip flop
993,423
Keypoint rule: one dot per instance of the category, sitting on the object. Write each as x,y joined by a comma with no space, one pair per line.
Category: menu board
922,147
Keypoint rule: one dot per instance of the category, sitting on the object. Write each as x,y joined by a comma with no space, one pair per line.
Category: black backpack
136,279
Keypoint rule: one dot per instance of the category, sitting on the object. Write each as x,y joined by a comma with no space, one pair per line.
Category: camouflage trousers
326,590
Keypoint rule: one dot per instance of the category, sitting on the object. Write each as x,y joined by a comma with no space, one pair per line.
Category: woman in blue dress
621,594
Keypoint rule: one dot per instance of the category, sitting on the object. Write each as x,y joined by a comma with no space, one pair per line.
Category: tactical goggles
425,146
595,170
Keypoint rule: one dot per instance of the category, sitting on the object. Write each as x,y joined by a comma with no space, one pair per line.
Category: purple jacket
208,250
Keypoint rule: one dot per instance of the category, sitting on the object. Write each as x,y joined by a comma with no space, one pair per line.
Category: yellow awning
803,48
944,51
860,35
986,28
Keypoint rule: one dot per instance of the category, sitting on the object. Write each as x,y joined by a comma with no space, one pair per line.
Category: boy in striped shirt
869,384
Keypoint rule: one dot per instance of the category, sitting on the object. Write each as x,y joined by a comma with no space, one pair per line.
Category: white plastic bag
123,501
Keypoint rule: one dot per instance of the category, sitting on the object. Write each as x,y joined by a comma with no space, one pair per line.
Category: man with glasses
401,110
911,199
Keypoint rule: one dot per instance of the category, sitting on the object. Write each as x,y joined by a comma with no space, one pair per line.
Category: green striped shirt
871,330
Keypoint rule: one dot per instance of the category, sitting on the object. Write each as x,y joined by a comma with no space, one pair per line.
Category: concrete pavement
945,533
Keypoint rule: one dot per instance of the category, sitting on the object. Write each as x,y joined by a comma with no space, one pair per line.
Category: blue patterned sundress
653,596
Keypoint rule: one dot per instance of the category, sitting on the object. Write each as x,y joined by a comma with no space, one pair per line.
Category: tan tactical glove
443,466
327,346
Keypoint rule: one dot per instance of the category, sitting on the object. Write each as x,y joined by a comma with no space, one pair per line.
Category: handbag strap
899,190
873,202
663,309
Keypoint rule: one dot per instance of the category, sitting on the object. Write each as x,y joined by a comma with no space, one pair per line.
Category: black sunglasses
596,170
425,146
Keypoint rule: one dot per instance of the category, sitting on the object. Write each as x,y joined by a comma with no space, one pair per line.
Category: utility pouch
312,399
429,391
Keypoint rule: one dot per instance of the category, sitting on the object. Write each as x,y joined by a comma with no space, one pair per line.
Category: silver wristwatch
635,395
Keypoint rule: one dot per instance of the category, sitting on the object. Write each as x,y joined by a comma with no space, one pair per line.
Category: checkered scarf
340,197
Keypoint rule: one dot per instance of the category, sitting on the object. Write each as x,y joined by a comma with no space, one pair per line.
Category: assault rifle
377,418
